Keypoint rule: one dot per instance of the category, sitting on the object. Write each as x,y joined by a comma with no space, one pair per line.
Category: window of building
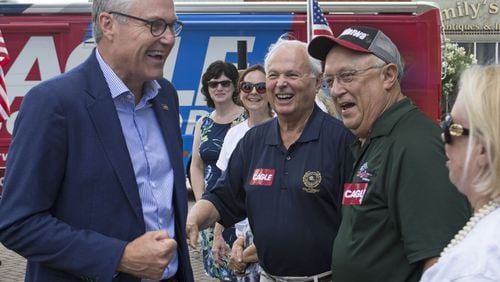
485,52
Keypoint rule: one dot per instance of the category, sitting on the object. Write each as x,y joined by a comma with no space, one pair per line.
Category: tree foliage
455,60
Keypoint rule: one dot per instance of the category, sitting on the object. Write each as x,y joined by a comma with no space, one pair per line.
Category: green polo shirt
409,211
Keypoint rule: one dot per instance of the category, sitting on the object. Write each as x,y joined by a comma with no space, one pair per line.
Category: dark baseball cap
362,39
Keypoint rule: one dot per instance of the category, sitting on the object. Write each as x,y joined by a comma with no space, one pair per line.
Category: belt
322,277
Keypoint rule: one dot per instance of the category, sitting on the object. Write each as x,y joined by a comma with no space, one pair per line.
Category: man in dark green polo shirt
399,209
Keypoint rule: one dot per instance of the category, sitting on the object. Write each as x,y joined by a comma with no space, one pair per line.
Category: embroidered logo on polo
262,177
363,173
311,180
353,193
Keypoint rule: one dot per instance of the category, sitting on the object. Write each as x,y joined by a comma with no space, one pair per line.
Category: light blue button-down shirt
148,152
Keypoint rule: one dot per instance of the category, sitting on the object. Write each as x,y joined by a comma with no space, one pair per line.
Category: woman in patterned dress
219,86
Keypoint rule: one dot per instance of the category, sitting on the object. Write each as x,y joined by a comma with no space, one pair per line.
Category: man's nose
281,81
168,36
337,89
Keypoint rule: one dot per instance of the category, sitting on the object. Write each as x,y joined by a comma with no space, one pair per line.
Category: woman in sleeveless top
219,88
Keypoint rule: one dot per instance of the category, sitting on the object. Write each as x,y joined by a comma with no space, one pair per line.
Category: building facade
474,25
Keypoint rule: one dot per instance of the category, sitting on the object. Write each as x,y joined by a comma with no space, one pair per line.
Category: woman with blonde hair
471,133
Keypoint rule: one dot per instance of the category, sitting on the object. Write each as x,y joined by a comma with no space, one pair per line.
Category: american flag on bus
4,100
319,24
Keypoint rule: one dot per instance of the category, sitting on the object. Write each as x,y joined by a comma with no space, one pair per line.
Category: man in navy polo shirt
286,175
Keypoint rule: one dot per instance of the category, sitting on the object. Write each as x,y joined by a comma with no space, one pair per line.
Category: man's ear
319,79
106,23
390,73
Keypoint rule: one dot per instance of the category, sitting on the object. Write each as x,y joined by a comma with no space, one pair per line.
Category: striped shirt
148,152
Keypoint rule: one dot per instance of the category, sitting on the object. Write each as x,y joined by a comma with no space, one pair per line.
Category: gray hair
99,6
314,64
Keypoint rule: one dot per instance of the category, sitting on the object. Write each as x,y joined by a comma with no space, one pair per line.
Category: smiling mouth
156,55
346,105
284,96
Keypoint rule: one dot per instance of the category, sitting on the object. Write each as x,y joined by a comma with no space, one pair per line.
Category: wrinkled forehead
340,58
291,58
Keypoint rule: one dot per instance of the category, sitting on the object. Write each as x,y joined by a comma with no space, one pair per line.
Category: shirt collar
116,85
386,122
311,131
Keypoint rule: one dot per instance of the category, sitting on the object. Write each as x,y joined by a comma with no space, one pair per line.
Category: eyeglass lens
449,129
223,83
346,77
157,27
248,86
445,127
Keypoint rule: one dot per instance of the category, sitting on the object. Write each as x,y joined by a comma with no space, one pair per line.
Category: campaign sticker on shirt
363,173
353,193
262,177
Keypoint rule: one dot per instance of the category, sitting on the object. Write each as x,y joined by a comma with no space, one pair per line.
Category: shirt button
153,184
288,158
286,172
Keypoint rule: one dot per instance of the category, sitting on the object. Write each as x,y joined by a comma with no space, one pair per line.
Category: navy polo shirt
291,197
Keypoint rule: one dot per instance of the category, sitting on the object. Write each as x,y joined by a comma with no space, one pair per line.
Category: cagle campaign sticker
262,177
353,193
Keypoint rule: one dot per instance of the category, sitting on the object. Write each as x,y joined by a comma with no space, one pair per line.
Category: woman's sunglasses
452,129
214,84
248,86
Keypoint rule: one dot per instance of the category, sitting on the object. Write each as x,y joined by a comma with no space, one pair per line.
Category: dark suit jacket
71,201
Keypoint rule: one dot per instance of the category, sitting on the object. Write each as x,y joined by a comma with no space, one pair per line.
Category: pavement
13,266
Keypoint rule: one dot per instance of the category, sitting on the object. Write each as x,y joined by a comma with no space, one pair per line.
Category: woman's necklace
482,212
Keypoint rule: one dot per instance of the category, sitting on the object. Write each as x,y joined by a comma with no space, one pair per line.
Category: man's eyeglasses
347,76
158,26
247,87
452,129
223,83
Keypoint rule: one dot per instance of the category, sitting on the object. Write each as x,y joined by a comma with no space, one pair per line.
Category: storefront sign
474,20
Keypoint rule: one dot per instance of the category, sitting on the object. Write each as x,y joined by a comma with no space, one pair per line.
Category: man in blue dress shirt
94,186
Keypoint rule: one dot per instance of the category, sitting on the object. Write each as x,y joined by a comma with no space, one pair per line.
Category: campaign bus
44,40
